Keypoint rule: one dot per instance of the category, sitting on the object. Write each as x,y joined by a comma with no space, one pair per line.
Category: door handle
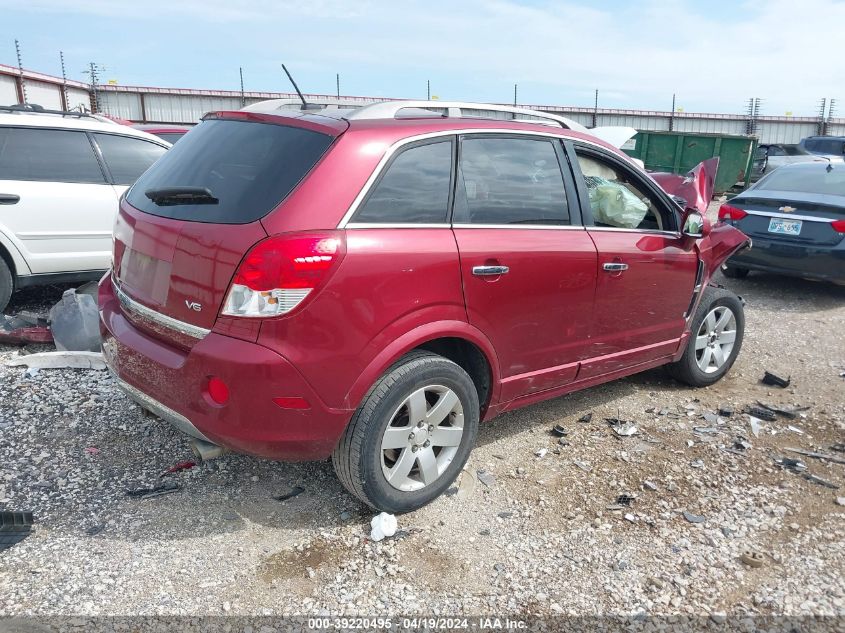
9,198
614,267
489,271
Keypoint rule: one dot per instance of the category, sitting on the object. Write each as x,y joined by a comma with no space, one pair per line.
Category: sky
712,55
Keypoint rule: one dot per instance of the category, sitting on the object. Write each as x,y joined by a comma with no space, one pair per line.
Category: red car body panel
556,323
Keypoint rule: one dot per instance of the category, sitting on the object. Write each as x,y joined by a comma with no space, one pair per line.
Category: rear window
819,180
248,167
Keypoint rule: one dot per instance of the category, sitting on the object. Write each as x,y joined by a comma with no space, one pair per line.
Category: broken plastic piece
830,458
383,525
774,380
755,425
625,499
14,527
295,491
486,477
60,360
693,518
726,411
622,428
18,330
792,464
148,493
818,480
75,322
584,419
559,430
541,452
752,558
179,467
763,414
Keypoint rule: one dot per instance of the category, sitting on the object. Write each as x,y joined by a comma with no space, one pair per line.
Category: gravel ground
545,537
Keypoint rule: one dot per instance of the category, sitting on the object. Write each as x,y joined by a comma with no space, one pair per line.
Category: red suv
369,285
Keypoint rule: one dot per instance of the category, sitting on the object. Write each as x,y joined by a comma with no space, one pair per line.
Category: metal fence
179,105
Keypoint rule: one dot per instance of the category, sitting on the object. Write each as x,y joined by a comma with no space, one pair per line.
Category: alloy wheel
715,339
422,438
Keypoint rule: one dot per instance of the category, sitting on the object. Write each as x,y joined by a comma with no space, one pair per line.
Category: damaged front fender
696,187
722,241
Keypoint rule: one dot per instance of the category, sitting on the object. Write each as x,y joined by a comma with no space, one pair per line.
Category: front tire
6,284
716,339
411,436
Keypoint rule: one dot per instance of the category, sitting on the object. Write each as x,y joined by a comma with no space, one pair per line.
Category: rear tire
734,272
411,436
717,330
6,284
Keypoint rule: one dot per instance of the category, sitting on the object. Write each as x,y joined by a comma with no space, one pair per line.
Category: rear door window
414,188
509,181
127,157
246,169
48,155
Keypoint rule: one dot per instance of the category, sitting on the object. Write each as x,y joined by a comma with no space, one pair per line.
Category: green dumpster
678,152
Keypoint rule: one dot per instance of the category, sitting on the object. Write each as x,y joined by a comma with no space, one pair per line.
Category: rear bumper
171,382
812,262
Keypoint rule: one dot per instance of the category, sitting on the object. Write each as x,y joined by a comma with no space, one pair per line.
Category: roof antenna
298,91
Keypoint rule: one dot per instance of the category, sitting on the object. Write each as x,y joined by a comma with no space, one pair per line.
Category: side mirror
695,225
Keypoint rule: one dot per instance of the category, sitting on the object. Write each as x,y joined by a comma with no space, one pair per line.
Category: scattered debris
791,464
763,414
505,515
584,419
712,418
697,463
148,493
795,429
559,430
179,467
467,486
22,329
294,492
693,518
752,558
487,478
383,525
75,322
726,411
840,501
582,465
741,444
92,450
59,360
755,425
818,480
622,428
775,381
787,413
625,499
650,485
630,517
14,527
541,452
706,430
839,448
95,529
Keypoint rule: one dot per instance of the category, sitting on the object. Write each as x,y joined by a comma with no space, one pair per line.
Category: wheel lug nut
430,427
427,444
414,448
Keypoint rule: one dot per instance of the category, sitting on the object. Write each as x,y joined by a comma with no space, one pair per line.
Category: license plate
785,227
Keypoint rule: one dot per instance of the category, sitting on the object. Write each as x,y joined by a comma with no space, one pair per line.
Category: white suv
61,175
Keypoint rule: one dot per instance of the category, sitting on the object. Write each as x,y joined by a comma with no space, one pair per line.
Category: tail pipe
206,451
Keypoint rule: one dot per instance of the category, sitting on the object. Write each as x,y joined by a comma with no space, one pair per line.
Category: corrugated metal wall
184,106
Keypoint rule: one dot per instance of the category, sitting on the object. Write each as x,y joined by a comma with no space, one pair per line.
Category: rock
718,617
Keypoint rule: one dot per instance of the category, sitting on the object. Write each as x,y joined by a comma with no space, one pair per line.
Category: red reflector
292,403
218,391
727,212
838,226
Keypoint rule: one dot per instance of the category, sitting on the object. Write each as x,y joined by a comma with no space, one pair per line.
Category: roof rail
34,108
390,109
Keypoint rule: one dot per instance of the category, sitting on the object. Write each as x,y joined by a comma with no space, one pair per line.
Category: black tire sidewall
729,300
6,284
379,492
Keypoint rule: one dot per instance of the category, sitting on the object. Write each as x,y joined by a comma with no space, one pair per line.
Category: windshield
246,168
822,180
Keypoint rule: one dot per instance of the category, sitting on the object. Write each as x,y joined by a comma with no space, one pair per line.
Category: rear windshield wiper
181,195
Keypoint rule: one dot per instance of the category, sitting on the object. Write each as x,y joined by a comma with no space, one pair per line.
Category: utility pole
243,98
337,82
753,112
596,110
428,89
94,71
514,95
65,100
21,80
672,115
821,127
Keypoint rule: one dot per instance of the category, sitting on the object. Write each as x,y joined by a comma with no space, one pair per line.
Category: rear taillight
838,226
727,212
280,272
